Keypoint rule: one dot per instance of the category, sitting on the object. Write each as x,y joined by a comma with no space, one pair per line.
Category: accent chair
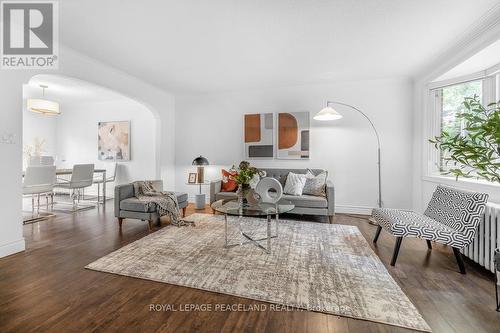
451,218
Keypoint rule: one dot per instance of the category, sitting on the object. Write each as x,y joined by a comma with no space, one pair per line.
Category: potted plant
245,173
475,151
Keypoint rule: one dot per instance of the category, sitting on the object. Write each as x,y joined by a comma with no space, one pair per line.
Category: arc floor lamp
330,114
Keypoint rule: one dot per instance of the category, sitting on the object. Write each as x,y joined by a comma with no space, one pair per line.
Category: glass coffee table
231,207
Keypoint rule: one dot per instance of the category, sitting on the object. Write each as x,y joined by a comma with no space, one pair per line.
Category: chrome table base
256,242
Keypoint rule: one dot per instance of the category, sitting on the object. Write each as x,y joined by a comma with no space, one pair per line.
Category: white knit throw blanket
166,202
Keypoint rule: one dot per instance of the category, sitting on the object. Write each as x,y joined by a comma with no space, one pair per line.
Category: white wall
77,138
75,65
35,126
212,125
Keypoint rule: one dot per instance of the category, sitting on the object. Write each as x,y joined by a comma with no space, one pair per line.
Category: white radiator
487,239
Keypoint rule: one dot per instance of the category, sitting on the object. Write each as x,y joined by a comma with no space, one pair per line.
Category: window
452,99
452,104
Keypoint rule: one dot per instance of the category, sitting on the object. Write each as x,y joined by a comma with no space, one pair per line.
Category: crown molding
477,36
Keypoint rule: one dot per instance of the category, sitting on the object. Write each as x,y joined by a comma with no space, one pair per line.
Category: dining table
65,172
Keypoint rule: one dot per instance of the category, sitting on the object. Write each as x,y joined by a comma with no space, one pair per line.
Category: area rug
315,266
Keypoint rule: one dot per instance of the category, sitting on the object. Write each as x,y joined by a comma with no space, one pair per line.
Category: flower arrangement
37,148
245,173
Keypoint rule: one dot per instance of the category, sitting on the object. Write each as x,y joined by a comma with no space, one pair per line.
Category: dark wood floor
46,288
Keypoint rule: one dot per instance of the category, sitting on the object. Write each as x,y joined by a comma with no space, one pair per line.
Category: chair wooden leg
213,211
460,261
150,225
429,244
120,221
330,219
184,212
396,250
377,234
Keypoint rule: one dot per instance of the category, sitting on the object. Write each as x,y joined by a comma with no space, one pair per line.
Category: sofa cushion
308,201
134,204
281,174
315,184
226,195
294,184
181,196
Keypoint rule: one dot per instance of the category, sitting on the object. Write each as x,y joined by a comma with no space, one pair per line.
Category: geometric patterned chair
451,218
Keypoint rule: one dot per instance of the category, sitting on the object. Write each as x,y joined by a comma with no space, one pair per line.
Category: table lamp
200,162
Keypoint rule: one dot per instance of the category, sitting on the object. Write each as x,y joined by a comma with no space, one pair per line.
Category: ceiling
484,59
66,90
204,46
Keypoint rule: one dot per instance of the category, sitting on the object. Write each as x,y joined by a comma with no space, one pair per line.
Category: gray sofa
304,204
127,206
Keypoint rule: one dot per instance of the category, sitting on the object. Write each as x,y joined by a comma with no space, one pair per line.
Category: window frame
490,93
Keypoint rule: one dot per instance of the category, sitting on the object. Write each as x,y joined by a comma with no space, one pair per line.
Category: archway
72,136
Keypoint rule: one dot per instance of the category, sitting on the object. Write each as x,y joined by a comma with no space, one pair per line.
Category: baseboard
362,210
12,247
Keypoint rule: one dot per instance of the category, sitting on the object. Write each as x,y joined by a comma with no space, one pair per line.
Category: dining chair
41,160
39,180
110,177
81,177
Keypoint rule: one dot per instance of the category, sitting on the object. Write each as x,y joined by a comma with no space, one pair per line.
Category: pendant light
42,105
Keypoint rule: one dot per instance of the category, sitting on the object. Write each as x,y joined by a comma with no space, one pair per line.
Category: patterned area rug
315,266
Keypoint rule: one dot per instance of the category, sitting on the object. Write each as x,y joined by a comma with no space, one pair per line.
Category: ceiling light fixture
42,105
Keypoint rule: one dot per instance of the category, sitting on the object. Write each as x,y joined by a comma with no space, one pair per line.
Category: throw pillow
294,183
315,185
228,184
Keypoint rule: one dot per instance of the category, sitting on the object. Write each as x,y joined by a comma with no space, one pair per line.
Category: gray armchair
128,206
304,204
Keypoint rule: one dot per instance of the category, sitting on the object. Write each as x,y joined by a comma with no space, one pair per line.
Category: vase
243,191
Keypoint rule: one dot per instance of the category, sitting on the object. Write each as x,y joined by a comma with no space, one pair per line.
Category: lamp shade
327,113
200,161
43,106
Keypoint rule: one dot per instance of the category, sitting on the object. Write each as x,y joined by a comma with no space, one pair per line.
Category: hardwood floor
46,288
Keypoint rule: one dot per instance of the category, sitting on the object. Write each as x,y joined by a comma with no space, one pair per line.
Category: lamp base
199,201
201,175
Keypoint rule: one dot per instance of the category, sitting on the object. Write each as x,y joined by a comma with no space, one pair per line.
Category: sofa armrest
330,197
122,192
215,187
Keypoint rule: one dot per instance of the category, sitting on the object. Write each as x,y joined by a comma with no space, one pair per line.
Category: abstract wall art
259,135
114,140
293,135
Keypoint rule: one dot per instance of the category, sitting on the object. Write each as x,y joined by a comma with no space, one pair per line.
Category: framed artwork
192,178
293,135
114,140
259,135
